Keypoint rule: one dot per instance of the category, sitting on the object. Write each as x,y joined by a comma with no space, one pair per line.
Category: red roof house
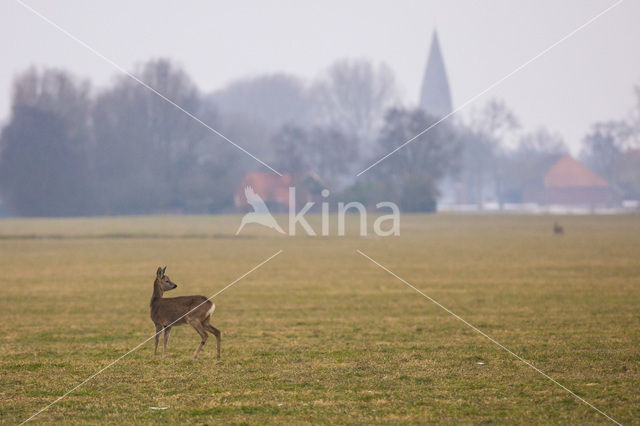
272,188
569,182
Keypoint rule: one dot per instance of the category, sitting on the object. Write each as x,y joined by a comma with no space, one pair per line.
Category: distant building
274,190
435,98
568,182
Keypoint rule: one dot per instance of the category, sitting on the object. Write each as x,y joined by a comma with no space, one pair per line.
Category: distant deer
557,229
167,312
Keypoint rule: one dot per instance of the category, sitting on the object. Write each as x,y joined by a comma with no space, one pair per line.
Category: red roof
567,172
270,187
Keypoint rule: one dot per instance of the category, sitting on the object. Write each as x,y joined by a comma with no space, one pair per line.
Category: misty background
313,90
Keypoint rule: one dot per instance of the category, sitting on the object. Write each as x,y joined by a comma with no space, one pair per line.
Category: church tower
435,98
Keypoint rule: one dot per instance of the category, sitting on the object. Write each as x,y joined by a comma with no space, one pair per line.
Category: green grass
320,334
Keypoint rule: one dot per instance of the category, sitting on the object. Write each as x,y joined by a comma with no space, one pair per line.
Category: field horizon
321,334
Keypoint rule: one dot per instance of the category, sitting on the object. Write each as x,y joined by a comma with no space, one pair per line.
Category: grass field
320,334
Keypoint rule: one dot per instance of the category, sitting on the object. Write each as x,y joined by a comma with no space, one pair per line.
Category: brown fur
170,311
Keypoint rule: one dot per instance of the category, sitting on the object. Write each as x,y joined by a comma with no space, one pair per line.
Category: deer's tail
211,309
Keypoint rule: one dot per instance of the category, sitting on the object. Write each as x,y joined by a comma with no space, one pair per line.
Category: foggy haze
112,109
589,77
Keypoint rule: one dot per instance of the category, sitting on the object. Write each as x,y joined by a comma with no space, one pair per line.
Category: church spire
435,98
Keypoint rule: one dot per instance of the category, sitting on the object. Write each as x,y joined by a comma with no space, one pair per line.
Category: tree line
69,149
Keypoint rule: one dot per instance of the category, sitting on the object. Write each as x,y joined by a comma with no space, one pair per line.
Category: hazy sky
587,78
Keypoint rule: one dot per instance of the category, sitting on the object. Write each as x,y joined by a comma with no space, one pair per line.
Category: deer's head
163,280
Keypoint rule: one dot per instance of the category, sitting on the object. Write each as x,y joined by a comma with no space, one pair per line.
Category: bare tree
491,130
43,162
603,145
541,142
611,149
497,122
145,147
353,96
56,91
269,101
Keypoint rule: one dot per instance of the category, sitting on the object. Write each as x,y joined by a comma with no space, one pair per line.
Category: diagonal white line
490,339
494,84
154,335
142,83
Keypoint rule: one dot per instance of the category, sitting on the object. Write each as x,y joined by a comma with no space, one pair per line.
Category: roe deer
557,228
167,312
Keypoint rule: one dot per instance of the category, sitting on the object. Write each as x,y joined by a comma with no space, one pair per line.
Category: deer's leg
200,329
167,331
211,329
158,330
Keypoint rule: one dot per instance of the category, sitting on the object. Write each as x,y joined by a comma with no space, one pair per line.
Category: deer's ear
159,272
163,270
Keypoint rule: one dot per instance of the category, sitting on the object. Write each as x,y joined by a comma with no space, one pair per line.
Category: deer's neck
157,292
